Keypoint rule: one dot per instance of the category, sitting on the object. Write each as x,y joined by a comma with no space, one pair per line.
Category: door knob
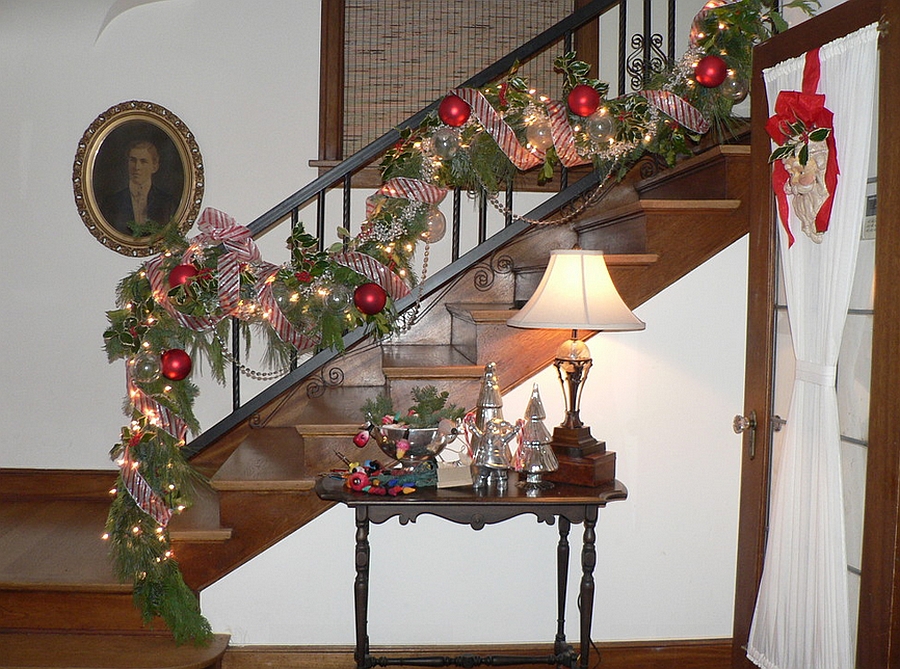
743,424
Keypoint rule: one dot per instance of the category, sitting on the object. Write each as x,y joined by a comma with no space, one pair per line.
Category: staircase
60,603
53,567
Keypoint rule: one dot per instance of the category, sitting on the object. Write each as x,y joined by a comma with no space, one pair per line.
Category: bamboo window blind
401,55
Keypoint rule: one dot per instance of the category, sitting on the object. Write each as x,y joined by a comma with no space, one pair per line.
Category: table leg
361,586
588,561
562,575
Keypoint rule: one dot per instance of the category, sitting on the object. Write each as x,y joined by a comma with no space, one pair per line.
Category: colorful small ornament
445,142
437,226
454,111
583,100
182,273
710,71
370,298
175,364
361,438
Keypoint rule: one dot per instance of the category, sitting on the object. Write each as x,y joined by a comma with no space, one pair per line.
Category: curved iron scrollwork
646,59
319,384
650,165
486,273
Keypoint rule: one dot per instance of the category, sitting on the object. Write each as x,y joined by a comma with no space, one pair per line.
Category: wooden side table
563,504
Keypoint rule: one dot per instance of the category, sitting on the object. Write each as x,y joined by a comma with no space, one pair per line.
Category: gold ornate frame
101,171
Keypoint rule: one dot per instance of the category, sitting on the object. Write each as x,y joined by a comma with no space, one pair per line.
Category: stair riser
69,610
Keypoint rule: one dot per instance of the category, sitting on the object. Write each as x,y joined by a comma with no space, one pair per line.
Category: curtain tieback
813,372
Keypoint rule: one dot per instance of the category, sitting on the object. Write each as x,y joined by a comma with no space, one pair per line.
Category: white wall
244,78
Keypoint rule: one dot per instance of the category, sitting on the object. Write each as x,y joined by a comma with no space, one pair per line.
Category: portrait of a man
142,207
138,174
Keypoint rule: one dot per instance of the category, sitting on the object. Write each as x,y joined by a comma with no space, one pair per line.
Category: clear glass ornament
734,88
437,226
538,135
145,367
337,297
600,127
445,142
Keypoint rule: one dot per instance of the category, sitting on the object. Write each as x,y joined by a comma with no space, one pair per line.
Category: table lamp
577,293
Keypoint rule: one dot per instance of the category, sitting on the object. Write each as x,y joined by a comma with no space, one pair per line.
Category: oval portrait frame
100,176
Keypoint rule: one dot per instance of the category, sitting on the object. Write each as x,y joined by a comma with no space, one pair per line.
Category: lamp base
591,470
582,459
575,442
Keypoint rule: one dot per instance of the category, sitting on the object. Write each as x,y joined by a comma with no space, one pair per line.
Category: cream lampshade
577,293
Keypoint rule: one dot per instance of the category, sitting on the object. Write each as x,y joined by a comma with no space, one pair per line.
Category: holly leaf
781,153
803,156
820,134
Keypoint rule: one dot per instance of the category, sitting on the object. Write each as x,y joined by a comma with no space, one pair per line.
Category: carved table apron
567,504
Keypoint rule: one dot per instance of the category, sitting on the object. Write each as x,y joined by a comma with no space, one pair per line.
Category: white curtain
802,617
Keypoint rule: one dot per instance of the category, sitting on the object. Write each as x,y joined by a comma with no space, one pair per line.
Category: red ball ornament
369,298
182,273
175,364
583,100
710,71
454,111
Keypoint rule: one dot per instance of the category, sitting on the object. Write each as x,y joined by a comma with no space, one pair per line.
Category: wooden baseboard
682,654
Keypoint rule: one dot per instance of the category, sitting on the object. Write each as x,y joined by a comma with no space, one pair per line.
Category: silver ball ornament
538,135
437,226
145,367
600,127
445,142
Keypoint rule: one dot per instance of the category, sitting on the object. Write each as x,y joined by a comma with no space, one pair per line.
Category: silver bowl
421,443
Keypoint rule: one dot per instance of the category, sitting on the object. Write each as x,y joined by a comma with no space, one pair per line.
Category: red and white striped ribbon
678,109
414,190
149,501
217,227
562,135
273,313
499,129
374,271
158,415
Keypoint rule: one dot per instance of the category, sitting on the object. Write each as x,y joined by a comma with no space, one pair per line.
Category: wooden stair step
46,650
269,459
201,522
427,362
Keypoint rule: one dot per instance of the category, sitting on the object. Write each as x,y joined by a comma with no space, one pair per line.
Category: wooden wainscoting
684,654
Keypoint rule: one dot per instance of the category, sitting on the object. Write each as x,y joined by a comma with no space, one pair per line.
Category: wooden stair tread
337,411
106,651
427,362
694,163
269,459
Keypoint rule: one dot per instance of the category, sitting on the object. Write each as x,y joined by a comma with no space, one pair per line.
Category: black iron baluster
482,215
671,33
457,198
508,215
346,214
623,29
320,218
235,364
